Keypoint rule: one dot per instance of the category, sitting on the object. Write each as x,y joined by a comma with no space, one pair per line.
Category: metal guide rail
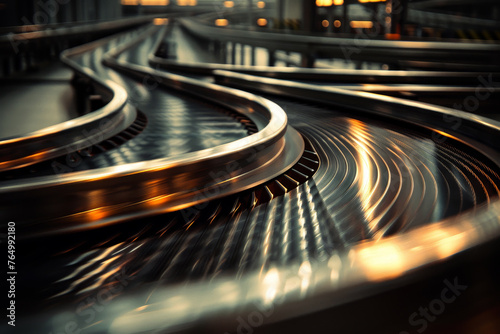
331,46
348,194
243,164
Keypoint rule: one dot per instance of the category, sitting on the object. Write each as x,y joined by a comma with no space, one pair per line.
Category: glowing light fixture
361,24
129,2
261,4
325,23
154,2
229,4
187,2
324,3
221,22
160,21
261,22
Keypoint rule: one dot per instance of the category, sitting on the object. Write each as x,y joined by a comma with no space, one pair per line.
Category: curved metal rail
455,77
374,50
25,35
343,276
289,255
56,140
478,128
329,75
285,255
177,181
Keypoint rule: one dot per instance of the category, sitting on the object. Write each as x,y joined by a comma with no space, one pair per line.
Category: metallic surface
397,192
47,143
34,33
185,56
332,46
163,184
330,75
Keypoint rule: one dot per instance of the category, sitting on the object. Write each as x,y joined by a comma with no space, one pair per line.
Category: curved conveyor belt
166,182
373,198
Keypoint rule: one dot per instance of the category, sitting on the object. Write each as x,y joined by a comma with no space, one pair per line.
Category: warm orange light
324,3
381,261
325,23
221,22
261,4
338,2
154,2
160,21
96,214
337,23
229,4
365,1
361,24
393,36
158,200
187,2
129,2
261,22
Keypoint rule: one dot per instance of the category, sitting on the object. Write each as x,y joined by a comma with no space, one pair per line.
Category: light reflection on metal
332,46
327,283
367,170
160,21
271,284
174,307
54,140
259,152
380,262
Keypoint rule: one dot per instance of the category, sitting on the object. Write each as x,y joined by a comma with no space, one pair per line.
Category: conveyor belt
360,179
190,124
372,182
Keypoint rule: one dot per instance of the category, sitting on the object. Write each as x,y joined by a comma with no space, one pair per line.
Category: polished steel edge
287,291
331,75
334,46
53,141
474,127
373,76
160,185
326,74
207,20
28,33
364,269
